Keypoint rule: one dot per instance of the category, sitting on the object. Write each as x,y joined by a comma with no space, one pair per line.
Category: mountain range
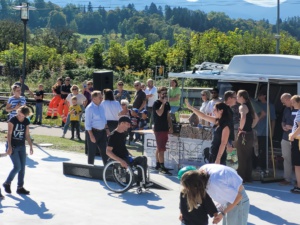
245,9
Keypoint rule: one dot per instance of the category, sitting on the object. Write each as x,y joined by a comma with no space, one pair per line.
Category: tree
116,56
57,20
157,53
136,49
94,57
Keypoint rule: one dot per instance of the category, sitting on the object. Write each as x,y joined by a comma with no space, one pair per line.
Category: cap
124,119
135,110
185,169
145,111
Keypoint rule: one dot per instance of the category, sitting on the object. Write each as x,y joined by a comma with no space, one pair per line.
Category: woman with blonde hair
294,138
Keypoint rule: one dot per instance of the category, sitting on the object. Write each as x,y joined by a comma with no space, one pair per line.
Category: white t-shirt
111,109
154,94
223,183
204,107
211,104
80,98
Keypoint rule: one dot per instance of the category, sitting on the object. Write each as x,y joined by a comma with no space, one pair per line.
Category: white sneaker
63,136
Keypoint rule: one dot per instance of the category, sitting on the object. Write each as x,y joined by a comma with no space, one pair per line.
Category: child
18,131
191,214
135,119
75,111
39,96
2,155
143,125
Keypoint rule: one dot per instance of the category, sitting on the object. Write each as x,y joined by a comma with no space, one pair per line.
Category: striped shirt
13,101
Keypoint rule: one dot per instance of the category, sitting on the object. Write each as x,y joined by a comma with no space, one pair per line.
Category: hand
92,138
31,150
288,127
164,101
123,164
218,161
285,128
229,147
217,218
18,106
291,137
9,151
171,130
180,217
188,105
119,94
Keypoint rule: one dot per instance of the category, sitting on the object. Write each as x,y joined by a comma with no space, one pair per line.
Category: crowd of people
238,122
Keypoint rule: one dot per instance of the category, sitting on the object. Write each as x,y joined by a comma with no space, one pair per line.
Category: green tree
116,56
136,50
57,19
94,57
11,32
157,53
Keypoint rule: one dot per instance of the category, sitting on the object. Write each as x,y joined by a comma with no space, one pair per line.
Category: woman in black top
244,143
221,130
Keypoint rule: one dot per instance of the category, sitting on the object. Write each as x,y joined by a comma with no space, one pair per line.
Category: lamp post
24,13
277,36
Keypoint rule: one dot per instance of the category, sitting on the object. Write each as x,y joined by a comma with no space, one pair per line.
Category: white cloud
192,0
265,3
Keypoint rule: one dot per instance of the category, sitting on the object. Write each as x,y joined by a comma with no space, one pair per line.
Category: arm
243,110
111,155
142,106
29,139
295,134
210,119
128,97
170,123
161,109
222,147
9,109
176,98
30,93
255,120
9,134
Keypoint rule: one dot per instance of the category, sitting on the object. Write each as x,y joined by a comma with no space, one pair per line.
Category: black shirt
117,141
57,89
248,124
216,142
65,88
19,131
197,216
39,93
139,98
161,122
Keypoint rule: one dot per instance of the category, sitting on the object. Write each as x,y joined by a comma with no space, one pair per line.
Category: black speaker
103,79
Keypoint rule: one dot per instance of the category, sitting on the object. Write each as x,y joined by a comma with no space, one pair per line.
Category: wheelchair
119,179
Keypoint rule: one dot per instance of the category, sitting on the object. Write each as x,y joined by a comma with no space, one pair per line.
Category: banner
180,151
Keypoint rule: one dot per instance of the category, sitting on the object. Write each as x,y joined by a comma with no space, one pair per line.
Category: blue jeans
174,109
67,124
18,158
38,111
239,214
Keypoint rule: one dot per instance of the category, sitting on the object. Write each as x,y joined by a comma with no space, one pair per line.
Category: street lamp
277,36
24,13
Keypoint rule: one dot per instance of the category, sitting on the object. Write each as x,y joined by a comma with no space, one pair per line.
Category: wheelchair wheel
117,178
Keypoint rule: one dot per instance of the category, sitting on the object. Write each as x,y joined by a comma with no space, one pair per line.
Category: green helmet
185,169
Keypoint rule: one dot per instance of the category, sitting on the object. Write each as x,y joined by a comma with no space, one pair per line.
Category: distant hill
233,8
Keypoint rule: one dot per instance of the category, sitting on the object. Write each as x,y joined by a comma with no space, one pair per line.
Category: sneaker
54,117
295,190
71,138
79,139
164,171
48,117
63,136
284,183
39,123
1,196
7,188
23,191
34,122
148,184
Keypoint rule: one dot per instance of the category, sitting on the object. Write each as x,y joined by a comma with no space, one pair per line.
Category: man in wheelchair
116,150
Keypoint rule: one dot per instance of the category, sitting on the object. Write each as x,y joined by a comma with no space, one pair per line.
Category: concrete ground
59,199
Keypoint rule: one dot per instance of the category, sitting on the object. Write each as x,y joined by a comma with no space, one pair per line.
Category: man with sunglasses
63,108
139,97
214,99
162,127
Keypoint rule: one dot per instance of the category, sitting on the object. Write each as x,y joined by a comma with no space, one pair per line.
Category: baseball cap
135,110
124,119
185,169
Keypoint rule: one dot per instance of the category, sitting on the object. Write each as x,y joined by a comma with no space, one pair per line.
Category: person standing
14,102
120,93
151,95
139,97
288,118
111,109
96,127
88,88
244,142
262,129
18,131
63,107
81,101
53,105
75,112
26,88
214,99
224,186
39,96
222,127
294,137
174,94
162,127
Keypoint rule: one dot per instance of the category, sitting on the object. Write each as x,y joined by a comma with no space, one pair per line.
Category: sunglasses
203,94
120,84
123,104
213,92
136,85
74,89
164,93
